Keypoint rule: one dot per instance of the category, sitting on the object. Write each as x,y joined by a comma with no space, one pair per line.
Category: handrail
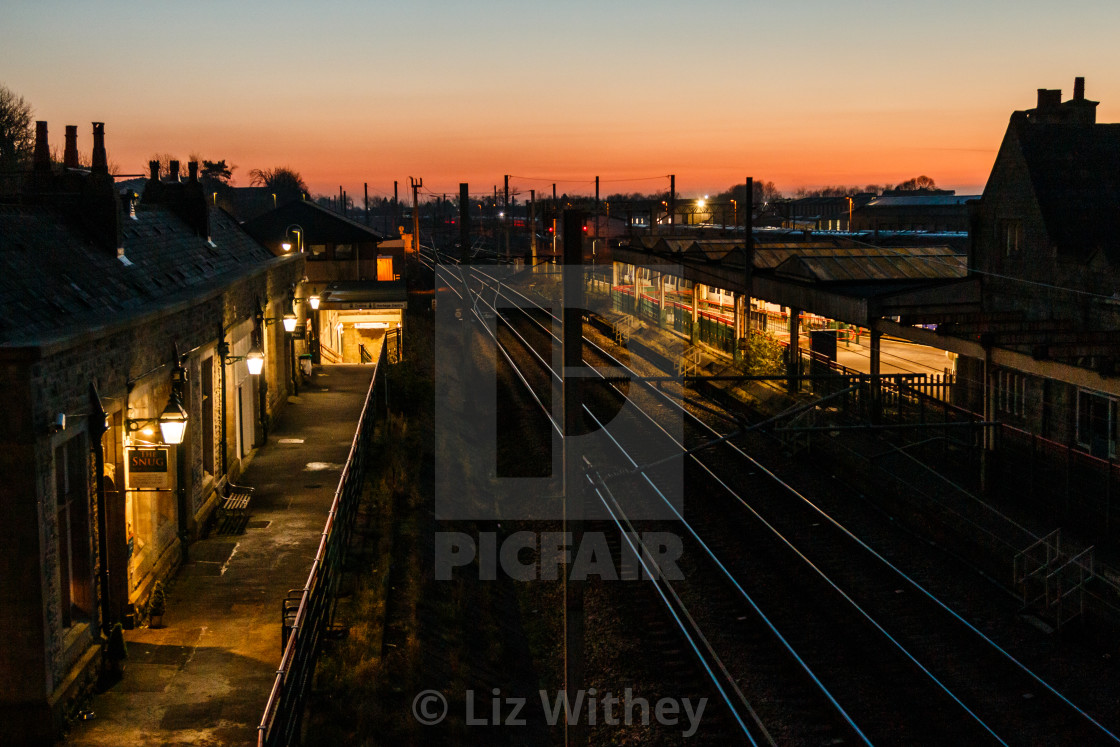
283,710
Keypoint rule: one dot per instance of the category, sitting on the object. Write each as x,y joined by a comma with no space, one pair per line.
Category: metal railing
304,624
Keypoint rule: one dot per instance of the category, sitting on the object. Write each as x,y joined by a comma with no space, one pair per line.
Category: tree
17,138
918,182
217,170
285,183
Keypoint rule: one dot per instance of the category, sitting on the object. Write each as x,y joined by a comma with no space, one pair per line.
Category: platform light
289,323
314,301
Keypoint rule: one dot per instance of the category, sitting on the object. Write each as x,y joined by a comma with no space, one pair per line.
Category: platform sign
149,468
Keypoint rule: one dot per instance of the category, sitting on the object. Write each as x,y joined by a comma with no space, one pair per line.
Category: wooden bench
233,511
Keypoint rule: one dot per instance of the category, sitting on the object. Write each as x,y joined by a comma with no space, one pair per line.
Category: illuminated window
343,251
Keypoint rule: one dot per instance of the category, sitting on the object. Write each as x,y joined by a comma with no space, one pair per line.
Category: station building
127,328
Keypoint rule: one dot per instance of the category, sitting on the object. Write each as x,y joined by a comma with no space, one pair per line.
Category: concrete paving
203,679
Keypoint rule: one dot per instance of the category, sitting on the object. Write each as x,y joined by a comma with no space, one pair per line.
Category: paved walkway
203,679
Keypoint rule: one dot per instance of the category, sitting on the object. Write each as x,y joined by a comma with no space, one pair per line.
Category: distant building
113,313
356,282
932,211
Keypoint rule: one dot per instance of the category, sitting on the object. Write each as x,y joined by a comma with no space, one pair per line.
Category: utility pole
464,224
416,185
573,520
672,203
748,266
505,214
365,189
533,224
396,207
596,207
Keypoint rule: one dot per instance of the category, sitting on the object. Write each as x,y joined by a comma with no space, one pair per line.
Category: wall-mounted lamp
289,322
254,359
172,423
314,301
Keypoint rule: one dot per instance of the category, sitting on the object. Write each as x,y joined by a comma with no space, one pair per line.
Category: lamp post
316,356
297,229
849,199
289,330
173,427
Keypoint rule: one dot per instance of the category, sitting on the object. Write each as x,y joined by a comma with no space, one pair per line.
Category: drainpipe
97,427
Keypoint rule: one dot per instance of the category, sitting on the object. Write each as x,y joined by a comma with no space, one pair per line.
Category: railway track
808,634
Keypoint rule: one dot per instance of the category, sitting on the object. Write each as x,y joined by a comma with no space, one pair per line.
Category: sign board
149,468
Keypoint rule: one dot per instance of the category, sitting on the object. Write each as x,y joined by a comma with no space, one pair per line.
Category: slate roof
1075,172
320,225
54,281
919,201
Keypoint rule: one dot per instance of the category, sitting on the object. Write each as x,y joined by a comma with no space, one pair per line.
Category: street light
289,322
849,199
297,229
314,301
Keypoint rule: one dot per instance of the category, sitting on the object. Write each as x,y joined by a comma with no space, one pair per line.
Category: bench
233,511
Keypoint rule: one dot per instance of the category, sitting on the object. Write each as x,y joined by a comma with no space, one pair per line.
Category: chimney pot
1078,89
100,161
42,155
174,170
70,155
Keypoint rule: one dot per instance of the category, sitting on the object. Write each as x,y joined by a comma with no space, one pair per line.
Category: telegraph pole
416,185
672,203
505,214
533,224
572,394
396,207
464,224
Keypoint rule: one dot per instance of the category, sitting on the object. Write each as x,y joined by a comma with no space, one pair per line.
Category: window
1010,236
385,268
343,251
1096,423
317,251
71,466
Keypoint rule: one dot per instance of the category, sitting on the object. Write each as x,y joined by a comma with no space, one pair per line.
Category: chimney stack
1049,98
70,155
174,171
192,170
1078,89
153,170
41,160
100,161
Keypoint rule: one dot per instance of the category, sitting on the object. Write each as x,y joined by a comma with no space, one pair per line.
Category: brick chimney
1079,89
41,159
70,155
99,163
99,207
1049,99
174,166
192,205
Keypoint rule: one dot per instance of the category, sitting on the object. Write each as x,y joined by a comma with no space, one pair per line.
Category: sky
803,93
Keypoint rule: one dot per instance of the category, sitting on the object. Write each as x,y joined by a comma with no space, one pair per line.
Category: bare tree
17,138
284,182
918,182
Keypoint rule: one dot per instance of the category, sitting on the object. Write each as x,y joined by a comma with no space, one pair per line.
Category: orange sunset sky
801,92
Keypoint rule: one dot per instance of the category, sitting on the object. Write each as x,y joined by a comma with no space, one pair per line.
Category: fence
305,621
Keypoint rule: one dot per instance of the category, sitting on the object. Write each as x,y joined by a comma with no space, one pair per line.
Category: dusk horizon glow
804,95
